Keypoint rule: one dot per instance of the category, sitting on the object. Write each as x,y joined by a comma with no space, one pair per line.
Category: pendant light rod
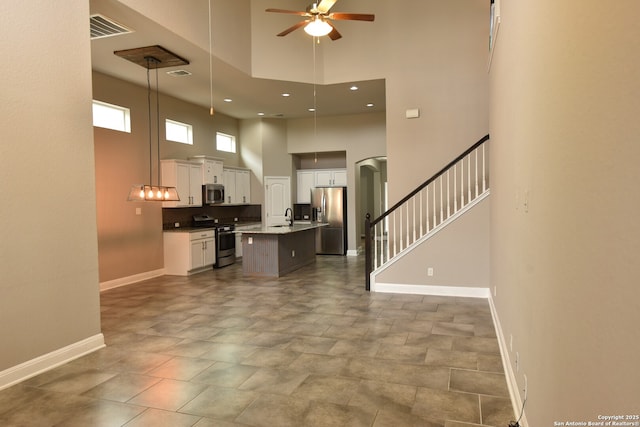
212,111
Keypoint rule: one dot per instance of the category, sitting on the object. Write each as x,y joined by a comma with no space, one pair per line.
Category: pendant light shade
318,27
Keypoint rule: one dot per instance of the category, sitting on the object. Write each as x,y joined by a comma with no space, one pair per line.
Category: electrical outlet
249,240
176,224
430,271
293,254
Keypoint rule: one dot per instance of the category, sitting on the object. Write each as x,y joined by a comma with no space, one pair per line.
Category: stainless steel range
225,239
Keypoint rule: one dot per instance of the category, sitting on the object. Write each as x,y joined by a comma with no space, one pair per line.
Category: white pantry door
277,196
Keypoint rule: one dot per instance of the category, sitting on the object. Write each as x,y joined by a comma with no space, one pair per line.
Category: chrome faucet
290,217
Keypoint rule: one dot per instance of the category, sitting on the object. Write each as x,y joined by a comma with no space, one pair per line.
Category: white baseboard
43,363
352,252
451,291
512,384
123,281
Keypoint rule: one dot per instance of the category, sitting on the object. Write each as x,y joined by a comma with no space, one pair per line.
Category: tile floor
310,349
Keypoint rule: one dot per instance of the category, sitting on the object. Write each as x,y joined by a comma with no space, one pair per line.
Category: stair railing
437,199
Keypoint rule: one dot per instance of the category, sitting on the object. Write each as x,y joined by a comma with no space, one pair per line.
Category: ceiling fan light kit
318,17
318,27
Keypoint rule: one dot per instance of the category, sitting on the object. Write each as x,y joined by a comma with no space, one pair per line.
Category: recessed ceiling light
312,109
370,105
227,100
261,113
354,87
286,94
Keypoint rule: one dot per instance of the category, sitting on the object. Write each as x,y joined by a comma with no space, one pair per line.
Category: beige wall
565,100
49,296
442,70
131,244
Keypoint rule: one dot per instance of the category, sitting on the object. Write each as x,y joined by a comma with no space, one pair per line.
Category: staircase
440,199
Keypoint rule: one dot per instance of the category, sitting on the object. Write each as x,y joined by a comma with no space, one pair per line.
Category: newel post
367,251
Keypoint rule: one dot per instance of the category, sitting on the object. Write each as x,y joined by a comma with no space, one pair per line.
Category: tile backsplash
225,214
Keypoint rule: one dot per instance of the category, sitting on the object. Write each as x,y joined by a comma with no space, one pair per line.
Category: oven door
225,247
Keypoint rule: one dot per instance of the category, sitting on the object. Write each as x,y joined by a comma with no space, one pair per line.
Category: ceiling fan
318,19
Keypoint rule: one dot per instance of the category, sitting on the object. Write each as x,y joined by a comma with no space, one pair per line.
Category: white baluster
476,174
484,170
441,205
448,196
469,180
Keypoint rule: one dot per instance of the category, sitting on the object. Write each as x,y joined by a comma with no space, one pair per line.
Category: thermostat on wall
412,113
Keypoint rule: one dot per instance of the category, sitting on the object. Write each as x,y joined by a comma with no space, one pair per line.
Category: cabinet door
243,187
195,185
229,179
209,257
306,181
340,178
216,171
183,184
197,254
323,178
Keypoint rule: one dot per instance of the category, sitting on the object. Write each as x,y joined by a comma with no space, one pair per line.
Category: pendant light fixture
149,57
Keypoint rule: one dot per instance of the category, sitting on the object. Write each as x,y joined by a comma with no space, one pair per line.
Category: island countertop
278,229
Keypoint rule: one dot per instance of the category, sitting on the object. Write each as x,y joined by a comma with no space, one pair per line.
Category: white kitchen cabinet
237,186
306,181
331,177
187,252
187,178
340,178
243,186
310,178
211,169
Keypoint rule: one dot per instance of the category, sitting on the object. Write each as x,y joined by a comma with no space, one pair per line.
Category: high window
225,142
111,116
179,132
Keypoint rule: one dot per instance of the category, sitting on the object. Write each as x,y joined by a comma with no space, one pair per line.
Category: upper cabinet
331,177
306,181
310,178
237,186
186,176
211,169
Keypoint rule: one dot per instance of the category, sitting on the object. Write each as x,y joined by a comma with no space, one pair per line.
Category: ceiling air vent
179,73
101,26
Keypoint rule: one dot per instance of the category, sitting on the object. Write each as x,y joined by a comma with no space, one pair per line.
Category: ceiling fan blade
291,12
334,34
292,28
352,16
324,6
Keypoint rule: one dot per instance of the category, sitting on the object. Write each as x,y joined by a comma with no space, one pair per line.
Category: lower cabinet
187,252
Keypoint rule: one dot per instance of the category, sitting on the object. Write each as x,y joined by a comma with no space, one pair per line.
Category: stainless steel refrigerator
329,205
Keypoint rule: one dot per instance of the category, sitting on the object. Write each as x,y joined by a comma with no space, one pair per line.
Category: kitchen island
273,251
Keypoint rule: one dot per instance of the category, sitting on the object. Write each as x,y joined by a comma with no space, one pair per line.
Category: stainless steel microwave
212,194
